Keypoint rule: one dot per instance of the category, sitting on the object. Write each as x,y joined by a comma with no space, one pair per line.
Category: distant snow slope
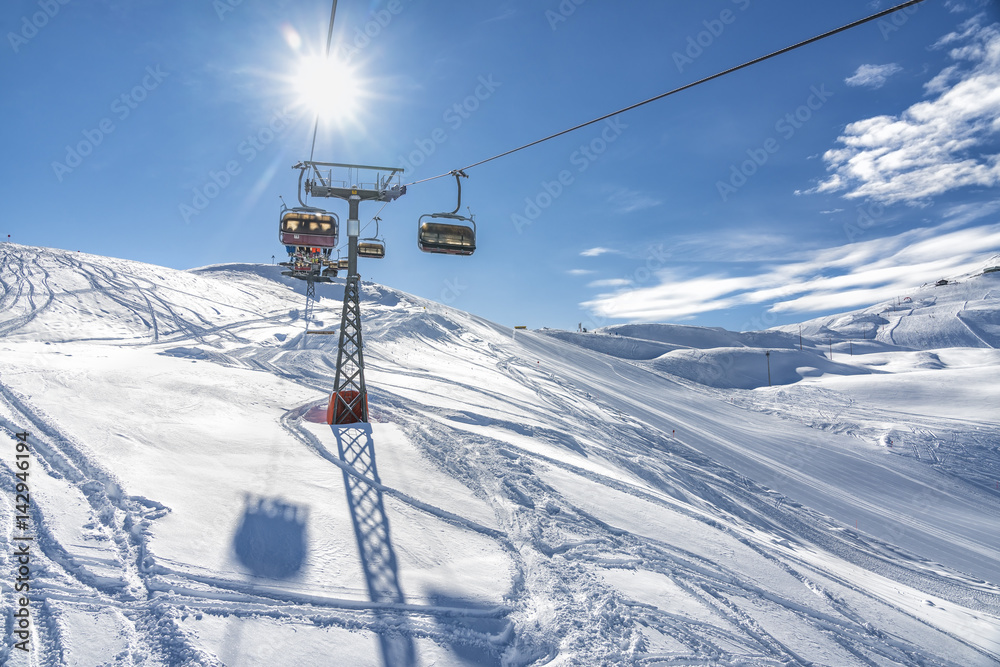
963,313
554,498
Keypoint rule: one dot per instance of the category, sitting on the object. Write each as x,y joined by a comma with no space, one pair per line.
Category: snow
635,495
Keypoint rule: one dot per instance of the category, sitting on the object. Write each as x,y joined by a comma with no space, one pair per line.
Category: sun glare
328,88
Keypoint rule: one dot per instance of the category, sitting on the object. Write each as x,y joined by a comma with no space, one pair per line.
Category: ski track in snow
852,632
564,547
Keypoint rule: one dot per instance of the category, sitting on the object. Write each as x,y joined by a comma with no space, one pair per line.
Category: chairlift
448,238
309,234
309,227
371,249
374,247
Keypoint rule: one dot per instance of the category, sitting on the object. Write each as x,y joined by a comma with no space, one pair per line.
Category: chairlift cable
367,224
329,43
717,75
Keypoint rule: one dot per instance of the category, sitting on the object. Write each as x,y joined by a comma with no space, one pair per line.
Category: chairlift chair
448,238
309,227
308,234
371,249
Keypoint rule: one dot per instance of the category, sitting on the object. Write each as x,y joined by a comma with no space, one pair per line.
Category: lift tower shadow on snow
349,400
356,449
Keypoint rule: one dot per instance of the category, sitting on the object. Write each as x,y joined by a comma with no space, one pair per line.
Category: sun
329,88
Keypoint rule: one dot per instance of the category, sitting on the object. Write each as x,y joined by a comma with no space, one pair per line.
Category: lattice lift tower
349,400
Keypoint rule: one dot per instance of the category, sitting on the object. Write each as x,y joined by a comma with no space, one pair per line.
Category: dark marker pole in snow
768,355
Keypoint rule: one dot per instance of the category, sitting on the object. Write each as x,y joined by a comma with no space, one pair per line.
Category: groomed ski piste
637,495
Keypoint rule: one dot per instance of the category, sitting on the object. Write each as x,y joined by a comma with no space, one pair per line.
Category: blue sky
829,178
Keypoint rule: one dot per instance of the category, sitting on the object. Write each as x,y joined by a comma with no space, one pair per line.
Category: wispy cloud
956,6
629,201
504,14
598,251
936,145
872,76
851,275
731,246
580,272
610,282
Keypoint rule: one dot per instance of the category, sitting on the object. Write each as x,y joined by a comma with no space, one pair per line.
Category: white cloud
504,14
872,76
943,81
936,145
597,252
730,246
629,201
852,275
579,272
610,282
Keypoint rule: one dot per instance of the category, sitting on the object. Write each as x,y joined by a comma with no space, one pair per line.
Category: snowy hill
549,499
964,313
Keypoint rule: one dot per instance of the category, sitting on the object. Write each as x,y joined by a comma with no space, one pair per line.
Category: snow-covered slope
519,501
965,312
